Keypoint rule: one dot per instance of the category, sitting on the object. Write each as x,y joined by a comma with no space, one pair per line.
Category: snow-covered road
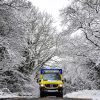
79,95
47,98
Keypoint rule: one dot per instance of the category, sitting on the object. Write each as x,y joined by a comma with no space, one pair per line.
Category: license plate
52,90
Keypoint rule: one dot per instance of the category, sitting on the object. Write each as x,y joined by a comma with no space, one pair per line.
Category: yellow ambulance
51,80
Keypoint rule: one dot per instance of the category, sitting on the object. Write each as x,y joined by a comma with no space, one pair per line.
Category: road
45,98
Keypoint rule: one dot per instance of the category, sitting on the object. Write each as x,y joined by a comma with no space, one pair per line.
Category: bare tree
42,41
82,17
27,42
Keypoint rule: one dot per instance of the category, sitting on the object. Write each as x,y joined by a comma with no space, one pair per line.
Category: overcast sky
52,7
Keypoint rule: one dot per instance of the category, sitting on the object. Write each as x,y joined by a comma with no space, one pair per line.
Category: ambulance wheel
42,94
60,94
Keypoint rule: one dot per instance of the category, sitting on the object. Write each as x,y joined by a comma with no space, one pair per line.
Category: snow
5,93
17,95
9,95
89,94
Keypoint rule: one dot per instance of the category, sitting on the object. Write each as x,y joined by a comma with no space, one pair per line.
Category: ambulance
51,80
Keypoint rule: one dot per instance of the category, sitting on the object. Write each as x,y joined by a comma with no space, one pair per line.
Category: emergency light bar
43,71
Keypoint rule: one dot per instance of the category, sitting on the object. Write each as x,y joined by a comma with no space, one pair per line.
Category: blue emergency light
43,71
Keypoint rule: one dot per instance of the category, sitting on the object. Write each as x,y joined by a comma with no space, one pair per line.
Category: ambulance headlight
60,85
42,85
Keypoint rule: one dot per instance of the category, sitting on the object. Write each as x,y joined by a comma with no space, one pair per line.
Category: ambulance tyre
42,94
60,94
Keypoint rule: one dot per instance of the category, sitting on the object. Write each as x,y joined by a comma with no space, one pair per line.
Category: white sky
52,7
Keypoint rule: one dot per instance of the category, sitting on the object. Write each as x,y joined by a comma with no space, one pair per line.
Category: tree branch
91,40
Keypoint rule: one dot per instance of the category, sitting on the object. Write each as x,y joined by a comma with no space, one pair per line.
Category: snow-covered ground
89,94
5,93
9,96
15,95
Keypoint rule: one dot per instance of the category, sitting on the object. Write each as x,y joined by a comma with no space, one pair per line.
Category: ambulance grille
51,85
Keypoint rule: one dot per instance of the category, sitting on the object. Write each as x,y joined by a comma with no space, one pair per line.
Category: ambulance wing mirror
64,80
38,80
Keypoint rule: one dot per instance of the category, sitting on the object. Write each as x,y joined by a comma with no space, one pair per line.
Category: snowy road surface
46,98
79,95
